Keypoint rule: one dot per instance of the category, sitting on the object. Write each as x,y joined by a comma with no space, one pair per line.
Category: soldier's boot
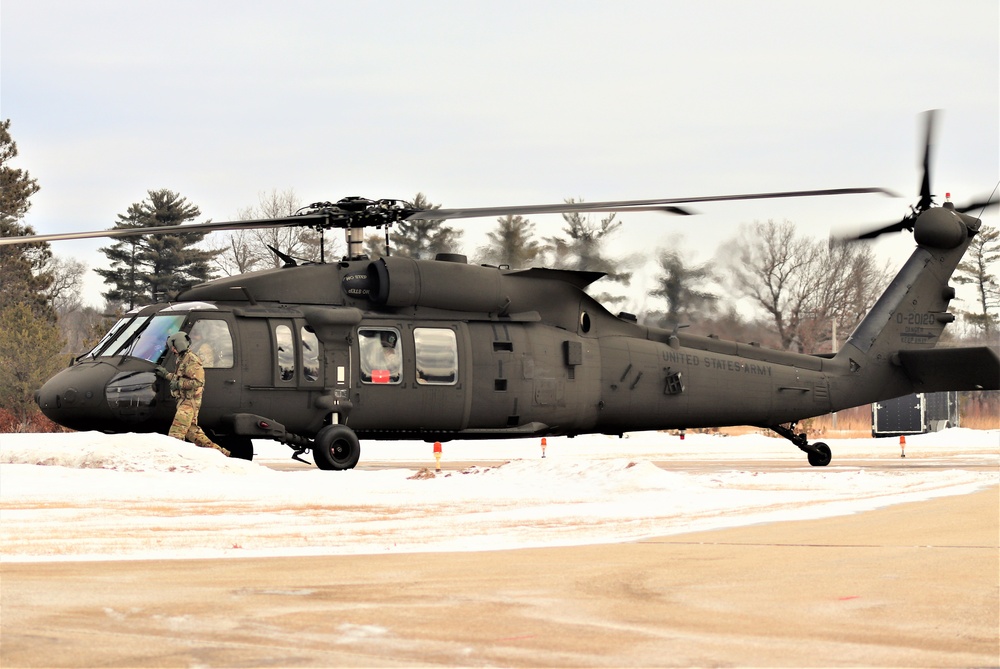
220,449
212,444
203,441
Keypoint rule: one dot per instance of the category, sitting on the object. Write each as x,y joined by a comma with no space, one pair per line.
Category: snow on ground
86,496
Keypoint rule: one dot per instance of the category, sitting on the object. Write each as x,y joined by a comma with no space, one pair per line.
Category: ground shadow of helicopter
320,356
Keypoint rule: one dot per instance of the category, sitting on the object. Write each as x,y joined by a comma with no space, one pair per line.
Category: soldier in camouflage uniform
187,384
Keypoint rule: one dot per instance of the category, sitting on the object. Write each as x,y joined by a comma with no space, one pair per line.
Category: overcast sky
492,103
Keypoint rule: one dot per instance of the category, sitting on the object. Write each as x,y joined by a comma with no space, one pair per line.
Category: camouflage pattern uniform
206,354
190,385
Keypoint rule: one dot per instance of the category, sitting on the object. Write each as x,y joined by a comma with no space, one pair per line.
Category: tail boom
892,352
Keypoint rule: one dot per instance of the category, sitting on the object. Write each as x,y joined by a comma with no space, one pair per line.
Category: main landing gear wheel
336,448
238,446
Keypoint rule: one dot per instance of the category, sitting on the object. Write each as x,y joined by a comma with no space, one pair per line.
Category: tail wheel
336,447
819,454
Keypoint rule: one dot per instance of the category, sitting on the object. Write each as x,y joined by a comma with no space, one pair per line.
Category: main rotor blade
517,210
663,205
168,229
341,217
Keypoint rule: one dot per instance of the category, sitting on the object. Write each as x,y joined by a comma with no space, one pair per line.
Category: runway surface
908,585
690,466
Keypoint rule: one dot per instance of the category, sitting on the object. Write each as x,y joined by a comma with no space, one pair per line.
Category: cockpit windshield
112,333
144,337
152,341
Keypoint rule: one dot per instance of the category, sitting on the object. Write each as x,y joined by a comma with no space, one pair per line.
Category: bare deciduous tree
804,285
251,249
67,277
83,327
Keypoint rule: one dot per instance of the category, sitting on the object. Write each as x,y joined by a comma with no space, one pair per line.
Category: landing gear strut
819,454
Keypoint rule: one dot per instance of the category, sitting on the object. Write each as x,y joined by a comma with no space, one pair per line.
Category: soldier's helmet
179,341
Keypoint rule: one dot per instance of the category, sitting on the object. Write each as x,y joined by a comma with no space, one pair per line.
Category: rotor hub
358,212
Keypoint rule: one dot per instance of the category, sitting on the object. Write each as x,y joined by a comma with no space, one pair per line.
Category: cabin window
212,343
436,353
381,355
310,353
285,352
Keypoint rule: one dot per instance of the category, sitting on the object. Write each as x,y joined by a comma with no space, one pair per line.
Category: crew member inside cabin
380,356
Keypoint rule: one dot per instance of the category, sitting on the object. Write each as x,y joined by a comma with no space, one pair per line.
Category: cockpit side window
309,353
212,341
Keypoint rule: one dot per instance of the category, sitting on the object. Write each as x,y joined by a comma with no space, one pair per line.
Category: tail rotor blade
977,206
926,197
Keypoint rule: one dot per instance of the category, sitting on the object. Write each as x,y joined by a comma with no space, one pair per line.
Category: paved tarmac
911,585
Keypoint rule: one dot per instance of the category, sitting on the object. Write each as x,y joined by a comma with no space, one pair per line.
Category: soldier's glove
175,385
162,372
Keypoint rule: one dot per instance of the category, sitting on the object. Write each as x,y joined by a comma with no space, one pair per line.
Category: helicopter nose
74,397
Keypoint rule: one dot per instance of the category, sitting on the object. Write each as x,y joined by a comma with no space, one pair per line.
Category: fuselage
478,352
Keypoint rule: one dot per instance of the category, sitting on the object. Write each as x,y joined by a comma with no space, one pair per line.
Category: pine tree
152,268
16,186
984,252
418,239
29,354
24,278
511,243
582,248
678,284
23,275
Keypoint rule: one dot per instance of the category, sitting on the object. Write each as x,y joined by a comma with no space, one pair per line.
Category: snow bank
94,496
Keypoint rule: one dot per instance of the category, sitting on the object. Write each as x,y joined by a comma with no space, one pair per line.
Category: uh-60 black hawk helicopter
321,355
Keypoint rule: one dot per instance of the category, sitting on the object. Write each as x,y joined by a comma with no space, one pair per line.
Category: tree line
807,294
